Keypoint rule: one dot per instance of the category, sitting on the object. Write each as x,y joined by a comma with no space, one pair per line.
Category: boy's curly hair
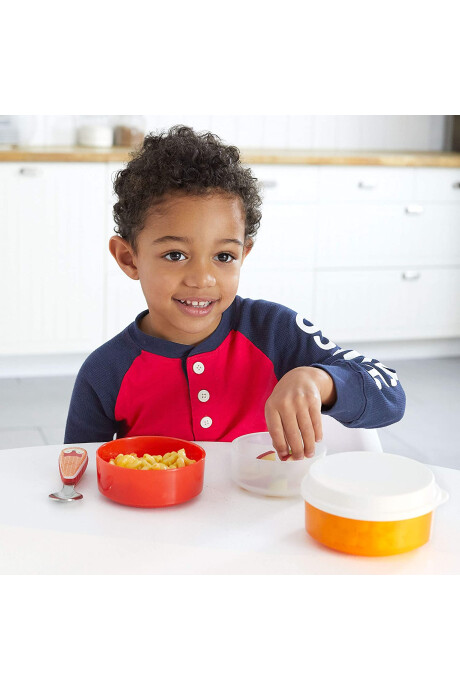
187,162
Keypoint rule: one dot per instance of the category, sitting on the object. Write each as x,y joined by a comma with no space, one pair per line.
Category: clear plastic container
264,476
370,504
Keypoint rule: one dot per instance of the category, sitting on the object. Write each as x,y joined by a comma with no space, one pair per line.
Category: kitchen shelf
80,154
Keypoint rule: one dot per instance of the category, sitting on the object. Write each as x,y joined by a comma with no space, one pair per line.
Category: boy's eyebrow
171,238
176,238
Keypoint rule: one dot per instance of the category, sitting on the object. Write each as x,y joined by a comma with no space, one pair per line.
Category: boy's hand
293,410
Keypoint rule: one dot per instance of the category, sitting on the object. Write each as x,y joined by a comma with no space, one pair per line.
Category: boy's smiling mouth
197,303
195,307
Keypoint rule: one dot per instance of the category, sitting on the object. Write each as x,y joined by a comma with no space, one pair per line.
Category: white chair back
340,439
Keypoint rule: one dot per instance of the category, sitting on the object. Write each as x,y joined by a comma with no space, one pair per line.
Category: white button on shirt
198,367
206,422
203,396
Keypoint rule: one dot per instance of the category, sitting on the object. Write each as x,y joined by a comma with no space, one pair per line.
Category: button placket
202,395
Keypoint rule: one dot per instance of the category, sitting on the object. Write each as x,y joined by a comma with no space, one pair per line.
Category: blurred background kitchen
360,233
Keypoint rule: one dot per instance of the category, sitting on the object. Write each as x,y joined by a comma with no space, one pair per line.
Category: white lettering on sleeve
328,345
375,370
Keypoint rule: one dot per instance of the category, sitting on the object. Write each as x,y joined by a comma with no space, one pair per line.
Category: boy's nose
199,276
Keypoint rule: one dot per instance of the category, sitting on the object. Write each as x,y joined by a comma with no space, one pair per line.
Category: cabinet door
390,235
388,304
52,220
363,183
294,184
440,184
280,266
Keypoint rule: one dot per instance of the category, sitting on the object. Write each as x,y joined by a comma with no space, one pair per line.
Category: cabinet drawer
383,305
365,183
295,292
387,235
437,184
287,183
286,238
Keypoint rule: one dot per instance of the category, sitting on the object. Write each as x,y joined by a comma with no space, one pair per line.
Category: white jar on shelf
94,131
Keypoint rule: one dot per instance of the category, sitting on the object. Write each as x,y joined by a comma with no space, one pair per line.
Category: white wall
339,132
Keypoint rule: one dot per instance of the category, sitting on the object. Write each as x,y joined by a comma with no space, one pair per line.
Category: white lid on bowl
364,485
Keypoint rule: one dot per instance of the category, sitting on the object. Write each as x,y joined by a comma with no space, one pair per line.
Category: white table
224,530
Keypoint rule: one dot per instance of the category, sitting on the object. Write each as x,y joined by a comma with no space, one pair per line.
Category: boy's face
190,249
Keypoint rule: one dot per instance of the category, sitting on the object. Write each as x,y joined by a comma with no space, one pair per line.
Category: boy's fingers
315,415
275,429
308,433
293,434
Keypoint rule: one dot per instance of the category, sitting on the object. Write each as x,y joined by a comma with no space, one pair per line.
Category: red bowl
149,488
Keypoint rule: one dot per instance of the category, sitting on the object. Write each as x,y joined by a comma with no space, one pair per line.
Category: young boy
201,363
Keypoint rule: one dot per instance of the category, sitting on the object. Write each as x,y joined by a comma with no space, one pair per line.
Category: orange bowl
149,489
365,537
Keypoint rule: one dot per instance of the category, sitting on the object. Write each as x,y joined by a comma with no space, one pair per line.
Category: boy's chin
200,326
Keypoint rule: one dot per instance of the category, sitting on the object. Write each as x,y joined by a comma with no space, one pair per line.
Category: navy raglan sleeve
91,415
88,419
369,394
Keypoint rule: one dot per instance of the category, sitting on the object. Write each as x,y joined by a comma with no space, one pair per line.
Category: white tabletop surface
224,530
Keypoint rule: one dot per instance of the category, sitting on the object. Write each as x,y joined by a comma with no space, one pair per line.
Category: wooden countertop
80,154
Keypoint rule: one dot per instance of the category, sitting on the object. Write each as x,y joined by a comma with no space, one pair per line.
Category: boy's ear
246,249
124,255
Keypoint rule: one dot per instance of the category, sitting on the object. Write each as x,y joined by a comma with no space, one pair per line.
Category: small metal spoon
72,464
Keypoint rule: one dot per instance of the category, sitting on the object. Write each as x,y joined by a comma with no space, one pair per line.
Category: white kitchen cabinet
368,253
280,267
376,235
437,184
286,184
365,183
295,292
383,305
52,219
388,267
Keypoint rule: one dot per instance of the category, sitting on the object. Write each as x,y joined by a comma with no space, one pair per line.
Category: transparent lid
364,485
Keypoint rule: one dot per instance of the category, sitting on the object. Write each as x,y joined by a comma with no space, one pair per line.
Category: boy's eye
174,256
225,257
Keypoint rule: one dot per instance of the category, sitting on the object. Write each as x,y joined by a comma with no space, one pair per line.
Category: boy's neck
147,327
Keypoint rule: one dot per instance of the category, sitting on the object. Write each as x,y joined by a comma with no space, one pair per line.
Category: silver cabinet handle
269,183
367,185
30,172
411,275
456,185
414,209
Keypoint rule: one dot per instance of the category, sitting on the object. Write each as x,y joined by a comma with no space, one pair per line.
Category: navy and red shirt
136,384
